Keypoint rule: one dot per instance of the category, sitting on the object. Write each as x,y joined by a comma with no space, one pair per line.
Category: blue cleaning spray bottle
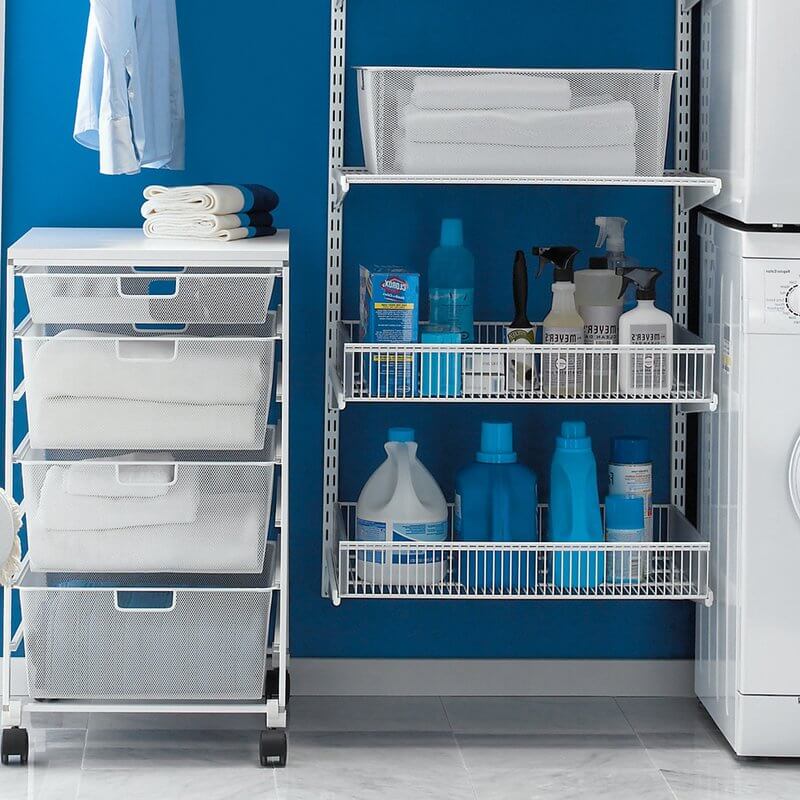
451,282
574,514
496,501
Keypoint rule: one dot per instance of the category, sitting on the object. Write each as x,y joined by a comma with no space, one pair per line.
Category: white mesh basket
114,515
108,295
110,388
440,121
118,638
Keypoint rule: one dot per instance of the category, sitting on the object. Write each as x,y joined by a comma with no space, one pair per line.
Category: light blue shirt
130,103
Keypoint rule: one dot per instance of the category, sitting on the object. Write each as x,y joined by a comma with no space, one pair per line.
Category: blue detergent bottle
451,282
496,501
574,514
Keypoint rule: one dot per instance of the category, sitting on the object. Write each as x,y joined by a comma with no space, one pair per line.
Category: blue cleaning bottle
496,501
451,282
574,514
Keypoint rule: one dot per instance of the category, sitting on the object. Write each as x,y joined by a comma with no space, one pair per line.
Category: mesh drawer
121,643
604,123
118,516
106,389
76,296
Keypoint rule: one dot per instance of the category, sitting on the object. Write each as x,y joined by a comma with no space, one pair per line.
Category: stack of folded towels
215,211
514,124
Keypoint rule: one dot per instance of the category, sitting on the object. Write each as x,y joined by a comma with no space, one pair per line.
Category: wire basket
113,388
439,121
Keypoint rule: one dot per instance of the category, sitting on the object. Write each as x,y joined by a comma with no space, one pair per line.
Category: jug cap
452,233
624,513
497,446
400,435
573,436
630,450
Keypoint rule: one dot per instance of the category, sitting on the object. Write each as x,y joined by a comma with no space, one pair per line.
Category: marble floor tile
535,715
746,783
373,766
368,714
665,714
176,722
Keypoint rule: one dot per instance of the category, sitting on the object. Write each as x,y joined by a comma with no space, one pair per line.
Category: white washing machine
747,670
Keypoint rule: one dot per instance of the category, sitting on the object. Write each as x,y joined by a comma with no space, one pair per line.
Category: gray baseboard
475,677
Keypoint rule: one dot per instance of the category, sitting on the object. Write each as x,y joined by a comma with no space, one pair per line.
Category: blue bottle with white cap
574,514
496,501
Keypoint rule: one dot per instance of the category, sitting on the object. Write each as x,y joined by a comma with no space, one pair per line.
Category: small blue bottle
451,282
574,514
497,501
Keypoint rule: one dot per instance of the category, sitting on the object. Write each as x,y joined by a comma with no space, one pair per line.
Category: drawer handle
173,283
141,350
130,601
122,468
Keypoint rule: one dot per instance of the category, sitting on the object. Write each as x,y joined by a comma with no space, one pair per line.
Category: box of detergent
389,315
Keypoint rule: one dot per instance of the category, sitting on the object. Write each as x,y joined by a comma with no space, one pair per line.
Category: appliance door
769,568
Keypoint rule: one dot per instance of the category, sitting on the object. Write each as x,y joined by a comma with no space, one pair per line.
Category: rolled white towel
139,475
490,90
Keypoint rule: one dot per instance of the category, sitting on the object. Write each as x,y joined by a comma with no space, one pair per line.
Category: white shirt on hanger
130,103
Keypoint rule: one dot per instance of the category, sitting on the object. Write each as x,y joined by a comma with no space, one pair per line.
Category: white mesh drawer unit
458,121
114,637
148,512
79,295
112,387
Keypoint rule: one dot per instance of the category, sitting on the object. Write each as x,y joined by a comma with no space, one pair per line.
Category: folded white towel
198,223
590,126
484,159
95,478
102,424
214,198
226,538
158,226
490,90
59,510
157,370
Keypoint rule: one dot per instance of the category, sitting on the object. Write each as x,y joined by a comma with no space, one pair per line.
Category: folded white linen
59,510
97,478
420,158
490,90
198,223
215,198
103,424
157,370
591,126
156,227
228,537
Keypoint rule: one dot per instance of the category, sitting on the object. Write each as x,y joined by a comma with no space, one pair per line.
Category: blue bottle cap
400,435
497,445
630,450
452,233
624,513
573,437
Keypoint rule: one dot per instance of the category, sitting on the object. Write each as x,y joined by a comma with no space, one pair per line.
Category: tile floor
402,749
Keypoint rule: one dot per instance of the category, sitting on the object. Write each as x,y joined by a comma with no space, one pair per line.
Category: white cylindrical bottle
625,525
401,503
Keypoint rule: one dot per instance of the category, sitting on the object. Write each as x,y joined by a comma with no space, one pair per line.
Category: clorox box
389,315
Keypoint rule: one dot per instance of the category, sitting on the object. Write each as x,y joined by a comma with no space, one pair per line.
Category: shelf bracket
694,196
708,601
688,5
342,187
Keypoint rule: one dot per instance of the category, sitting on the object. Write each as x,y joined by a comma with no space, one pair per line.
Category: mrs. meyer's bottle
562,373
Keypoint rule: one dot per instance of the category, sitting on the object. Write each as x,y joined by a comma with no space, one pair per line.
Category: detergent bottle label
422,532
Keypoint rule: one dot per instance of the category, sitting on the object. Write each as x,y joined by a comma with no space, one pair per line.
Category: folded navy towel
212,198
258,197
256,219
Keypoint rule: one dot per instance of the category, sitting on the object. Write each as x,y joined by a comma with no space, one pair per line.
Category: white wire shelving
675,566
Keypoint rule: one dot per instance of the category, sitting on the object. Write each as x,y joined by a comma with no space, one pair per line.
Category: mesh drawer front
195,646
616,123
77,297
213,517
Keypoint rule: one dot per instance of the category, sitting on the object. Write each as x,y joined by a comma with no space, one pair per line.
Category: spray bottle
562,372
521,368
648,373
612,234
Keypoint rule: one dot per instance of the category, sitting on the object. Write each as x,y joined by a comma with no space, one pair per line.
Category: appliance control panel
772,291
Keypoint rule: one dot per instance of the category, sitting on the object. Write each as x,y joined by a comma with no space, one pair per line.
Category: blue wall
256,81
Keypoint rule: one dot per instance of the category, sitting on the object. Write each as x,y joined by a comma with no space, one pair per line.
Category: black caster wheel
15,743
272,748
271,684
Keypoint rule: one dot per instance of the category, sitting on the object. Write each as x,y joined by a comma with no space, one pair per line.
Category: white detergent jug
401,502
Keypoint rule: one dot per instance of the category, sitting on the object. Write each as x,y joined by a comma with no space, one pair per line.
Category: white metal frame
690,190
274,709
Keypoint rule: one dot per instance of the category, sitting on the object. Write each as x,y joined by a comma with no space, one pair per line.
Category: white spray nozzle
612,229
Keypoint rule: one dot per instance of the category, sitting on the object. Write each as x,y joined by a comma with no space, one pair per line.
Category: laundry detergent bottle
496,501
451,282
574,514
401,503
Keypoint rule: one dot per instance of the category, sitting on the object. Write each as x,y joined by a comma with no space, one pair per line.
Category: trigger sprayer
612,234
562,259
643,278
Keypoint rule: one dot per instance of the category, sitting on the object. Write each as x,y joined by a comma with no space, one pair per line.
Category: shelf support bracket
342,187
694,196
